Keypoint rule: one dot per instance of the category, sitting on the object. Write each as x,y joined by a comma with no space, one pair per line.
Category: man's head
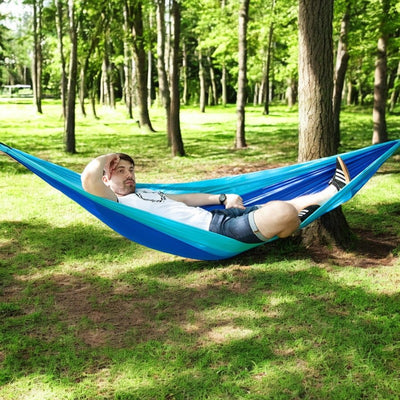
121,178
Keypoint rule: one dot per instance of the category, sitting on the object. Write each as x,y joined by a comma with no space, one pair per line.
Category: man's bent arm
205,199
92,177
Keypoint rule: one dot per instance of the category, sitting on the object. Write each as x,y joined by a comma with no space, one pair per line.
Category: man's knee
277,218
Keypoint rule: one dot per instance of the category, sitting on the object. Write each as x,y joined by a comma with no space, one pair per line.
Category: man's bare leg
281,218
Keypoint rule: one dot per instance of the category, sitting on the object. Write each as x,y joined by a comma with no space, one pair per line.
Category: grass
86,314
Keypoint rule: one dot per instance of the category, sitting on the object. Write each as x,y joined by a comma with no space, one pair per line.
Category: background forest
147,52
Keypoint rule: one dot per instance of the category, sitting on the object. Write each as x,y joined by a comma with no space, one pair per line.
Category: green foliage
209,26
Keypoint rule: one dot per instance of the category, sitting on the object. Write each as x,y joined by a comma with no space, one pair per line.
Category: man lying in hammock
112,176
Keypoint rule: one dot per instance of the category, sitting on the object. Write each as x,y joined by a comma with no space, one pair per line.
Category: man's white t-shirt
158,203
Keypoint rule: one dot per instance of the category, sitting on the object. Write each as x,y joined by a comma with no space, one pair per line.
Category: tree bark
213,95
202,82
163,84
37,54
266,83
316,137
395,94
184,75
177,147
380,93
69,132
60,35
139,54
240,141
224,86
128,86
342,59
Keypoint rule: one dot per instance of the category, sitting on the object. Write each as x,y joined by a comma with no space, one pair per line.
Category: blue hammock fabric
256,188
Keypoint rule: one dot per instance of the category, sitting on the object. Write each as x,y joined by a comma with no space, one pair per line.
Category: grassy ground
85,314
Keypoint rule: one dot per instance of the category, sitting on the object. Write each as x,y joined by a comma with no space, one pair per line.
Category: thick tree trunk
316,137
240,140
139,53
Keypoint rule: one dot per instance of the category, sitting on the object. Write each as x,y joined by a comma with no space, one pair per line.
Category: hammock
256,188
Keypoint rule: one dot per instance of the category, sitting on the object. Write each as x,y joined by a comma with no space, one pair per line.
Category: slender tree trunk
177,147
184,75
291,92
150,66
69,133
60,35
240,141
268,64
202,82
380,93
82,89
395,94
163,84
316,137
214,98
342,59
128,87
37,54
224,86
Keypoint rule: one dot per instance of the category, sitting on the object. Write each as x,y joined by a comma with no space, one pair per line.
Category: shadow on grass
240,329
266,321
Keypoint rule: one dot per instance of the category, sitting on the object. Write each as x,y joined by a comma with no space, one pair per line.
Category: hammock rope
256,188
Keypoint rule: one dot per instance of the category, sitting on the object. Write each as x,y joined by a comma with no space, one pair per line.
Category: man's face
122,180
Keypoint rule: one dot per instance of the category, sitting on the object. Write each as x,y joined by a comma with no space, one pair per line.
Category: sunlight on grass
86,314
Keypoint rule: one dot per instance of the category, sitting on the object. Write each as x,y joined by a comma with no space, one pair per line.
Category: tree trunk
139,54
82,89
240,141
224,86
69,133
380,93
177,147
342,59
202,81
37,54
163,84
184,75
315,107
395,94
268,67
291,92
128,87
60,35
213,100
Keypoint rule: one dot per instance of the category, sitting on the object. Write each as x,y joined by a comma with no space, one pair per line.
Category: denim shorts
237,223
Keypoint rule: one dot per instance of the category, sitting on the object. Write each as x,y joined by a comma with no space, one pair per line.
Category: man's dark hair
126,157
123,156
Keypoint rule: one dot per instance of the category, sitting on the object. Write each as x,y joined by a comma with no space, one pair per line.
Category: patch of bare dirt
369,251
229,170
